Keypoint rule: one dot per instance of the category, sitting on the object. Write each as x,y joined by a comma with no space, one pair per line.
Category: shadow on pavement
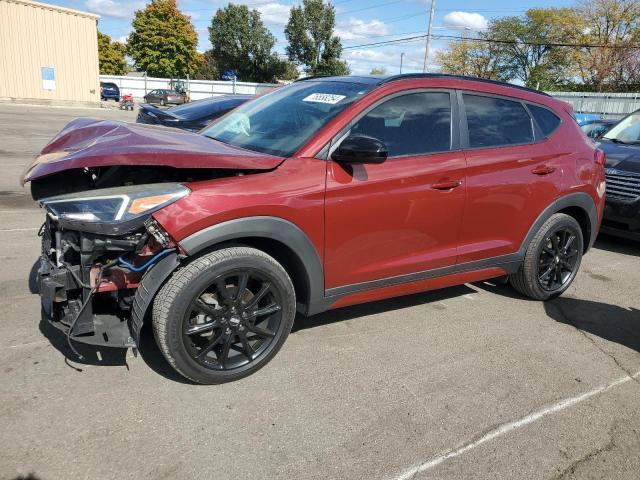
617,245
610,322
372,308
110,357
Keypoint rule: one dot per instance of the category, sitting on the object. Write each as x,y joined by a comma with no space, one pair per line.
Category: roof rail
406,76
312,77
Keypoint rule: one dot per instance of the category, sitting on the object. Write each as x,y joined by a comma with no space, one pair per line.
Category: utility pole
428,47
401,55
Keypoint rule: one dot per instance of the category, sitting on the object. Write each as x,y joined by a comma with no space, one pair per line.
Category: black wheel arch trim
151,282
273,228
294,238
578,199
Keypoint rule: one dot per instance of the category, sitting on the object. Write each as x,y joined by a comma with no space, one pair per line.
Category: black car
109,90
621,144
597,128
192,116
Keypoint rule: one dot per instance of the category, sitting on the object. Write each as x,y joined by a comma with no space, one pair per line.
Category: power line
493,40
371,7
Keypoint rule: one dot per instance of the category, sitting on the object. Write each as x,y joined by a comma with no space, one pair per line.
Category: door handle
543,170
446,185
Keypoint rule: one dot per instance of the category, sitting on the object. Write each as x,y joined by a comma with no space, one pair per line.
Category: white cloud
274,13
465,21
361,61
113,8
356,29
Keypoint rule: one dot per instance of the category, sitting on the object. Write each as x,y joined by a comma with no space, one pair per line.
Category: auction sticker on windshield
324,98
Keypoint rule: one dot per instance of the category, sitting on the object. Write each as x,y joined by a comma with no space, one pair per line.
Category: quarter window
412,124
547,120
495,122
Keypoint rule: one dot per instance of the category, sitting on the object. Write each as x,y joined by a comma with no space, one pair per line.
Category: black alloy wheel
558,259
552,259
224,315
233,322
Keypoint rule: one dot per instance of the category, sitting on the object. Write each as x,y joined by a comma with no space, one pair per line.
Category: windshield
281,122
627,131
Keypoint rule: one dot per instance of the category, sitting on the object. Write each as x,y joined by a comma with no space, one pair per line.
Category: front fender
273,228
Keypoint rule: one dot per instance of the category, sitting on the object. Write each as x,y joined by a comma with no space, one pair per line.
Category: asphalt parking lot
467,382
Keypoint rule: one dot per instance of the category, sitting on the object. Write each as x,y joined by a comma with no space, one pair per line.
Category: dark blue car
621,144
109,91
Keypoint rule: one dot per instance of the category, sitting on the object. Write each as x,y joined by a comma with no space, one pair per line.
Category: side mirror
360,149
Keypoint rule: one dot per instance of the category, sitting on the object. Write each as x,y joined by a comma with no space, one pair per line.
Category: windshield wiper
615,140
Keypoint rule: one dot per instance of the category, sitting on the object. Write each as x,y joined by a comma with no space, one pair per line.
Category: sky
358,23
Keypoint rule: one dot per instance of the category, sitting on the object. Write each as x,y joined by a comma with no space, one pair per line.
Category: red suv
326,193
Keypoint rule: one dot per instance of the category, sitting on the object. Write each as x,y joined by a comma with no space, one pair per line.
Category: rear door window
547,120
495,122
411,124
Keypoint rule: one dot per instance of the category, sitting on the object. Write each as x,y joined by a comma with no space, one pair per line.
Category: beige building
48,54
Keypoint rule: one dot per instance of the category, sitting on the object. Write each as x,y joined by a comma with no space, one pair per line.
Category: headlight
114,205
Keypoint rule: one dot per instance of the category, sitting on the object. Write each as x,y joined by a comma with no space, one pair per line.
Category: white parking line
508,427
30,344
31,229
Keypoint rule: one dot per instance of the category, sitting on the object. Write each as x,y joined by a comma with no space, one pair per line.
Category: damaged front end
103,255
96,248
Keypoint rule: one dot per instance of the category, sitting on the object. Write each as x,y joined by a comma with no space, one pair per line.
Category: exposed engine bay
88,281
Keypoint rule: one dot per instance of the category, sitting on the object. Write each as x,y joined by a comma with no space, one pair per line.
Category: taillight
599,157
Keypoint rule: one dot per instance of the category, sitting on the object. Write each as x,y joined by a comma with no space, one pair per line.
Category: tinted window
547,120
494,122
284,120
413,124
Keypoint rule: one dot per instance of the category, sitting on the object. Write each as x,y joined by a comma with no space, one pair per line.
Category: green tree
615,24
311,40
207,67
163,41
474,58
111,56
240,42
526,45
378,71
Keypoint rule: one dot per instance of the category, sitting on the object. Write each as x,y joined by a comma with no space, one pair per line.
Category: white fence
609,105
198,89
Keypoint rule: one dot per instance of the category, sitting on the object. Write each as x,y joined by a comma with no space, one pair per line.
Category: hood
621,157
87,142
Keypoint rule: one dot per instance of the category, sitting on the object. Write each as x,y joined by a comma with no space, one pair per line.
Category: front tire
162,102
552,260
224,315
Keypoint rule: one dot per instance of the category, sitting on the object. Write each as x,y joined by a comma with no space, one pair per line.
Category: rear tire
552,260
162,102
224,315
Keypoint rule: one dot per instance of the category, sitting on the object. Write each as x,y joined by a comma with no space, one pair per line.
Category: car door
512,175
401,216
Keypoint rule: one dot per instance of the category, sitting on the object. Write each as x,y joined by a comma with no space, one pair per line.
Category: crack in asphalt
569,321
571,469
